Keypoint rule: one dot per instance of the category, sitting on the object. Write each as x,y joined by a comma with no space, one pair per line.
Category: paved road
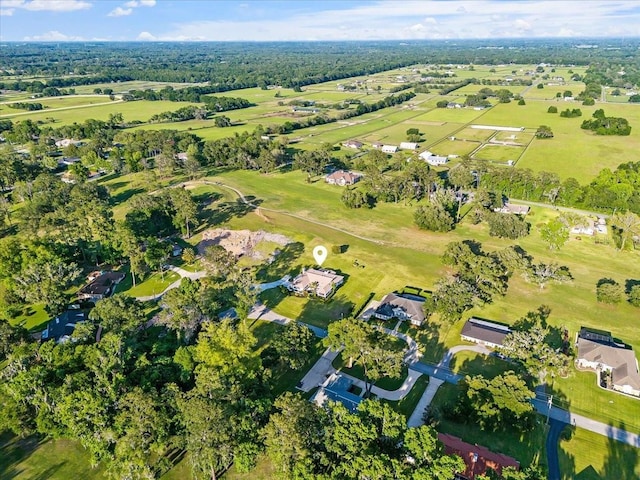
561,415
553,437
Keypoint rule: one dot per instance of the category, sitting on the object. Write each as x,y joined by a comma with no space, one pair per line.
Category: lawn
151,285
585,455
499,153
31,458
33,317
454,147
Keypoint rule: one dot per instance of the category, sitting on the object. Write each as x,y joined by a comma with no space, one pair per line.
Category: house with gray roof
598,351
337,388
483,332
61,327
402,307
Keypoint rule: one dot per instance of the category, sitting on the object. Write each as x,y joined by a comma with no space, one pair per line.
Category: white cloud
131,4
53,36
146,36
6,12
147,3
394,20
120,12
55,5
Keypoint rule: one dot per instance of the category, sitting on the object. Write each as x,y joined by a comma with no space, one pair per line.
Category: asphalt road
553,437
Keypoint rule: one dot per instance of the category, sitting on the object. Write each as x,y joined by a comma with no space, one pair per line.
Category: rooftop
485,331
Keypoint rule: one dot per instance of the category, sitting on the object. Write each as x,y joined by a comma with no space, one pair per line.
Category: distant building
61,327
408,146
389,148
484,333
477,459
342,178
513,209
377,145
433,159
65,142
402,307
306,109
355,144
101,286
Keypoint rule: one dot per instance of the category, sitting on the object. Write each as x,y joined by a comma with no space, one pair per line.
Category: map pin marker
320,254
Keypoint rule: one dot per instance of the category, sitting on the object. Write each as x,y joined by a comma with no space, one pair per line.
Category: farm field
56,102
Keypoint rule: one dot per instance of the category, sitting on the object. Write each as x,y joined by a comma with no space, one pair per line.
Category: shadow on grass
321,313
622,459
282,264
485,365
15,450
428,336
125,195
226,211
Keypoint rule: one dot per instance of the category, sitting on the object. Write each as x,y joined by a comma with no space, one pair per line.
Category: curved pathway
183,274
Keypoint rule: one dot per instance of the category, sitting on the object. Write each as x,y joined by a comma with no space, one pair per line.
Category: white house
432,159
389,148
319,282
598,351
408,146
355,144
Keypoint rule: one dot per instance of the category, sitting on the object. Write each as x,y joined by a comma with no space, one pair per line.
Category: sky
266,20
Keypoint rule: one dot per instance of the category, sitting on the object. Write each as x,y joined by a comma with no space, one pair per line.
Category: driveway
553,437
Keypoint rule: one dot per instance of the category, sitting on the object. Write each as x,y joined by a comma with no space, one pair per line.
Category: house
100,287
432,159
402,307
65,142
321,283
355,144
306,109
597,350
182,156
377,145
408,146
477,459
337,388
61,327
453,105
176,250
266,138
342,178
484,333
69,160
513,209
389,148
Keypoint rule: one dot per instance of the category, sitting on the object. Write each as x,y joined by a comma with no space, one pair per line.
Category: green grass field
499,153
589,456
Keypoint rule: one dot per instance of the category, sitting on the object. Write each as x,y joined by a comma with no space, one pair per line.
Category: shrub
609,291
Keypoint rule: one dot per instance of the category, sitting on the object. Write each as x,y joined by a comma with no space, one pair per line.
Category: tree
500,403
626,227
555,233
294,345
183,309
156,254
376,352
543,273
218,261
452,297
552,109
634,296
434,217
294,436
78,172
222,121
544,131
45,279
119,313
505,225
522,102
185,208
609,291
354,198
531,349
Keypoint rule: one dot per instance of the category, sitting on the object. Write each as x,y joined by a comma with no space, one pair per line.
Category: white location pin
320,254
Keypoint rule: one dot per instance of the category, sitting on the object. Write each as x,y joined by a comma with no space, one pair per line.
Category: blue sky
257,20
